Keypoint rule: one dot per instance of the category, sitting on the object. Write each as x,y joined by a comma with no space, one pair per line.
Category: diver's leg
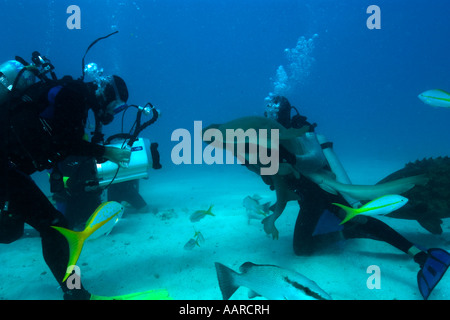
27,199
371,228
314,202
303,240
80,207
433,262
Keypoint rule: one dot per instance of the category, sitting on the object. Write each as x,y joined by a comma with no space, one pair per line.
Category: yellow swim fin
159,294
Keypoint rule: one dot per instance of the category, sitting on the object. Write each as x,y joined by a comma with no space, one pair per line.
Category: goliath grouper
429,203
269,281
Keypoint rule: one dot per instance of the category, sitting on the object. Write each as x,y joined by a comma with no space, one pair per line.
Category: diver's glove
117,155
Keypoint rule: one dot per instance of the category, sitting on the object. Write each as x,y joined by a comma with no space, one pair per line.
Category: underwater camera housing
138,167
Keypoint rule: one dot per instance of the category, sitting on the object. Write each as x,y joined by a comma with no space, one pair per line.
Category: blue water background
216,60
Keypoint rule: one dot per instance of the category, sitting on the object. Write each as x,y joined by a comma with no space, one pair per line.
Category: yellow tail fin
76,241
209,211
351,213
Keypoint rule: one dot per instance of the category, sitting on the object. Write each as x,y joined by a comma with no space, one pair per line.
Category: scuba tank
337,168
14,76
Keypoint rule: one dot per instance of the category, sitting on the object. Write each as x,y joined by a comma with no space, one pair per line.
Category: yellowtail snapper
200,214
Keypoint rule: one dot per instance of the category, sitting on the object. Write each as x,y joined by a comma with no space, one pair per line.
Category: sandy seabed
146,251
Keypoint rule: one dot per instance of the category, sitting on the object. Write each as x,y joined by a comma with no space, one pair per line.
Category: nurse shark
326,180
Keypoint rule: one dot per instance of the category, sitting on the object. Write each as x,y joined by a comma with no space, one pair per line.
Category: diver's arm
69,124
89,149
117,155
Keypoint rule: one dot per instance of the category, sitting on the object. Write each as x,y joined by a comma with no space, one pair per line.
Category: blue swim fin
432,271
327,223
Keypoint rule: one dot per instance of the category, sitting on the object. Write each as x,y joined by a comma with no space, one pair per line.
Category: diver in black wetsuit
127,191
73,181
317,210
40,126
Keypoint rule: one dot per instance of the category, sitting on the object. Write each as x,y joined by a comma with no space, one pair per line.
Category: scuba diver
42,124
74,181
318,220
81,181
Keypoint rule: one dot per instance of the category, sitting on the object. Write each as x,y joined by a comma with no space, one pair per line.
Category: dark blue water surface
217,60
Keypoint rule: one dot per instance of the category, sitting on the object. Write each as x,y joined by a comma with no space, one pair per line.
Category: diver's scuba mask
107,112
279,109
272,110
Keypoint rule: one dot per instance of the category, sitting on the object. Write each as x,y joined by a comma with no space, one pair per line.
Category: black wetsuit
78,198
315,201
41,133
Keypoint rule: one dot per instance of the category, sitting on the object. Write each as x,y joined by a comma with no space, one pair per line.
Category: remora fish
436,98
269,281
254,209
367,192
106,212
380,206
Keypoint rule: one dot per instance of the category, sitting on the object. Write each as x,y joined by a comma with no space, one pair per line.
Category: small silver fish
269,281
200,214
